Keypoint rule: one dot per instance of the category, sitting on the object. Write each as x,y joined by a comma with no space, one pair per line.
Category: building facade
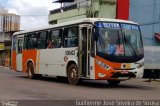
8,24
83,9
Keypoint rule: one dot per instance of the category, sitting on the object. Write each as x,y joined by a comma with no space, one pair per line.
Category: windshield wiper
130,45
118,39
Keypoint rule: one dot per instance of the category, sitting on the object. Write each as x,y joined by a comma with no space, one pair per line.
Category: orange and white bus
90,48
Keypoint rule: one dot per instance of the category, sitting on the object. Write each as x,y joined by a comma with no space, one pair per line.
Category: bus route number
70,52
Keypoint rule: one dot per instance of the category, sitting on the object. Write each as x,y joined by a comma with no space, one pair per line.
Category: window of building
56,38
42,40
71,37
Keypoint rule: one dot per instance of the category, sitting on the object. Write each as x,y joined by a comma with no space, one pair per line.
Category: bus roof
87,20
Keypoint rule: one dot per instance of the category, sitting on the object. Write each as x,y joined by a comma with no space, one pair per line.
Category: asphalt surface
57,92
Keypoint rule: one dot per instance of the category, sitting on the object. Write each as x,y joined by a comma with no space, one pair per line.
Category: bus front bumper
123,76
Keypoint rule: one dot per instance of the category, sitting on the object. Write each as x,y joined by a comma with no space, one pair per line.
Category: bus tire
114,82
30,70
72,74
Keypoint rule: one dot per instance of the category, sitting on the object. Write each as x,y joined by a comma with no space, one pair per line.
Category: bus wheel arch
72,73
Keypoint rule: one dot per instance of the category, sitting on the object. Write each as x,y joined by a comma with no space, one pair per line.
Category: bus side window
41,40
71,36
31,41
55,37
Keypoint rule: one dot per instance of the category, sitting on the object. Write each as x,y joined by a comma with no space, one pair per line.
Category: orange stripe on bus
14,60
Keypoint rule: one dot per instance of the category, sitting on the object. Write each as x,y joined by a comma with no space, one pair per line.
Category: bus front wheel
113,82
30,70
72,74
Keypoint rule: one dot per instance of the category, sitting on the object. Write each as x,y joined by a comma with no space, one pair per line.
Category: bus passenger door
84,51
19,53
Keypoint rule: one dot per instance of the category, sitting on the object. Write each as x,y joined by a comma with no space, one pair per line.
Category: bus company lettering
70,52
103,65
107,25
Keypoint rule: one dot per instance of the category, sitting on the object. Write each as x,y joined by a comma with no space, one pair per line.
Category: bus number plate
124,72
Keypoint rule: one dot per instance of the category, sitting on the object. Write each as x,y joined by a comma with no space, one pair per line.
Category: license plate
124,72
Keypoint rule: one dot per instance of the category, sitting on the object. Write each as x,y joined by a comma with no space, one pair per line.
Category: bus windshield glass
118,39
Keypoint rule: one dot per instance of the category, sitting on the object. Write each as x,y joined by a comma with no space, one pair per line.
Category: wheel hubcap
73,74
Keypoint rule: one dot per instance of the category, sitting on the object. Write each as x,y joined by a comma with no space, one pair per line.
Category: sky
34,13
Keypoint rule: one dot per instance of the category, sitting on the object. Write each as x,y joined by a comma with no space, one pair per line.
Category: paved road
16,86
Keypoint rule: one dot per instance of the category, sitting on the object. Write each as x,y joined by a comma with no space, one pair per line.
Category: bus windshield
116,39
